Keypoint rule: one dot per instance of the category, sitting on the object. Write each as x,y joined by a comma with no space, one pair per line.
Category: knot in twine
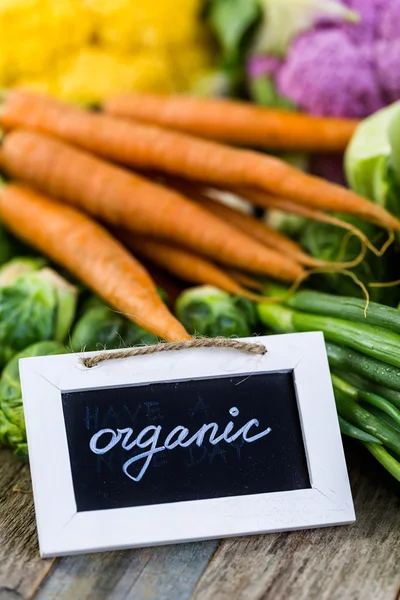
219,342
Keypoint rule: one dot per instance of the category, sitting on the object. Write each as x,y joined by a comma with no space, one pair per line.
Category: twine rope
219,342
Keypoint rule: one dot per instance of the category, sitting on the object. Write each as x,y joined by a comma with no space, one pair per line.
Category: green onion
348,429
352,361
373,399
382,404
374,341
361,418
386,460
351,309
368,386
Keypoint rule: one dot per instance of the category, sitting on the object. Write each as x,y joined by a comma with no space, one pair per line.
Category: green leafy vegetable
372,159
66,298
12,424
100,327
326,242
231,20
210,312
36,305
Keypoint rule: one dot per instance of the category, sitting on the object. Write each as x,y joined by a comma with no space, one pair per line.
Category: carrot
89,252
264,200
185,265
248,224
150,147
123,199
236,122
172,286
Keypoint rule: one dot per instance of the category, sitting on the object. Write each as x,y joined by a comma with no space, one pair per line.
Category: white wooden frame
62,530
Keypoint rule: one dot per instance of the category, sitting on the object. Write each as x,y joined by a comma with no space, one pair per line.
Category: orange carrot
89,252
126,200
248,224
150,147
264,200
185,265
236,122
172,286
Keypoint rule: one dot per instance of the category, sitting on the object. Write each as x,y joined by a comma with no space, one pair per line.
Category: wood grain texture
164,573
356,562
21,569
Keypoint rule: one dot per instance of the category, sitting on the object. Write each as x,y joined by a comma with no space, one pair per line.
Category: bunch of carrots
96,191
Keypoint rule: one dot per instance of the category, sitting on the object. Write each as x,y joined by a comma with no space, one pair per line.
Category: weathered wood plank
361,561
21,569
164,573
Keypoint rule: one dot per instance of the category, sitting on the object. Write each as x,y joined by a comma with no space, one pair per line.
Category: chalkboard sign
183,445
109,429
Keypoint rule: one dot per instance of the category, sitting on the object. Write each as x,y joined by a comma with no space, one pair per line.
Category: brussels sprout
19,266
100,327
12,424
208,311
67,297
36,304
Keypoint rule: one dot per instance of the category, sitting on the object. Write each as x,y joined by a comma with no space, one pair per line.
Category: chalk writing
148,439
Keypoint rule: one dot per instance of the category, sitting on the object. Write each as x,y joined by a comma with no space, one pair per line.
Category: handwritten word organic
148,439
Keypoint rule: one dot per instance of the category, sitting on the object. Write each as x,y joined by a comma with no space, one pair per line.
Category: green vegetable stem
369,386
368,398
377,342
363,419
364,357
358,434
349,308
374,371
386,460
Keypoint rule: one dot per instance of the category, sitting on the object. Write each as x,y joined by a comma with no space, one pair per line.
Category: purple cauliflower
339,67
324,74
387,65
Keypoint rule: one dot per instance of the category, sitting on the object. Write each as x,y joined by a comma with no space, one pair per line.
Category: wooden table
361,561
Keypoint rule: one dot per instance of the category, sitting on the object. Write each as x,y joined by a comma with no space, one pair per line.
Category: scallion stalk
351,309
361,418
348,429
348,360
369,386
377,342
386,460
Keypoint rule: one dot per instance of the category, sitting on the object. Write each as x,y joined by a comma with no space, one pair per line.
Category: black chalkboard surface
108,428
